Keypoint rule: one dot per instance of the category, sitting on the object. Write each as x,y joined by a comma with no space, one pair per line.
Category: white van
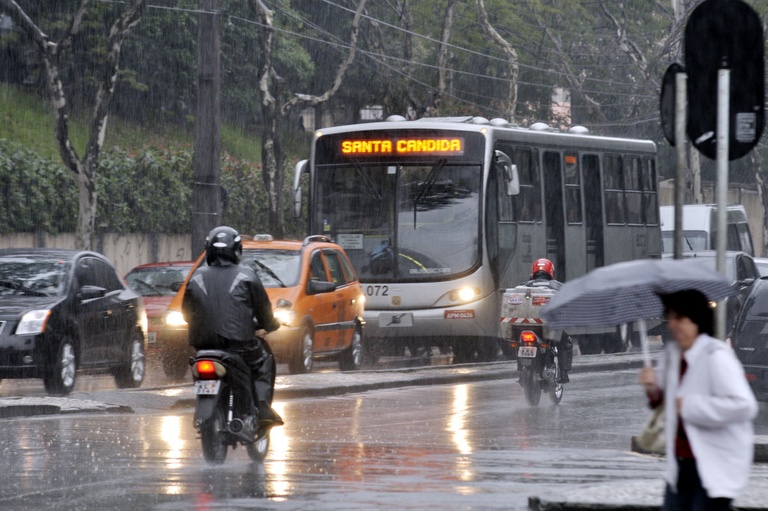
700,228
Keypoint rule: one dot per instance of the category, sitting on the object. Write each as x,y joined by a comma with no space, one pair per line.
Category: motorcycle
530,340
538,364
225,410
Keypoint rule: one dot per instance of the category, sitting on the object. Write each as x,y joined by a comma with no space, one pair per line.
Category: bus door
553,210
575,238
593,211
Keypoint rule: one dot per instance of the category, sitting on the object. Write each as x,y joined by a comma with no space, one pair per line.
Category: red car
158,283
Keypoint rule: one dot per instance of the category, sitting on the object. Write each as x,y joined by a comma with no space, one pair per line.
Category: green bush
148,191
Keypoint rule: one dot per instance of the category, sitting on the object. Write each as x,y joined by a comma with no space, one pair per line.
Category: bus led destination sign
413,146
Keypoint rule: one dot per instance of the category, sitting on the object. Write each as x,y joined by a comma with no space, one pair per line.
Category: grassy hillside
26,118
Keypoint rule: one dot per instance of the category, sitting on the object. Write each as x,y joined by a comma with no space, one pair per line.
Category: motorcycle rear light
528,337
208,370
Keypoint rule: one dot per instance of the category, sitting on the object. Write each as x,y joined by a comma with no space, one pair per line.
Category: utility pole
206,193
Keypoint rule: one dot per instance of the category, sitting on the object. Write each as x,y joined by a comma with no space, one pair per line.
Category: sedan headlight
175,318
33,322
284,316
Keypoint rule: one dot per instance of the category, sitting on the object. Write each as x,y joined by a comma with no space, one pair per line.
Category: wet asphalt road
464,446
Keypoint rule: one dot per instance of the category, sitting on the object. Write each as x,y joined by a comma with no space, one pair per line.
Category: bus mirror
508,171
301,167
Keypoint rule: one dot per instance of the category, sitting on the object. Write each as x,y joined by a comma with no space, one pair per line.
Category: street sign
725,34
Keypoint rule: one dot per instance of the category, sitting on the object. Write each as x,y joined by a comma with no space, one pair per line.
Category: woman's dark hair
693,305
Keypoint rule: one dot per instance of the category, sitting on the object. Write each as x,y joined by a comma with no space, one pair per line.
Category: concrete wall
125,251
736,195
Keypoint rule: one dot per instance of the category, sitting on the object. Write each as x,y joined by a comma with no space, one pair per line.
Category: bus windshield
402,222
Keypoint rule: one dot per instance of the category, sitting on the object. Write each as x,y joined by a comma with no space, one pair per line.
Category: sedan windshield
403,223
34,276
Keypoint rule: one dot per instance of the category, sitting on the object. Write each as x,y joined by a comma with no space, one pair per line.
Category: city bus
440,215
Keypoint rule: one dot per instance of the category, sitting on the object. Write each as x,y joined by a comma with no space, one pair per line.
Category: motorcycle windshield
403,223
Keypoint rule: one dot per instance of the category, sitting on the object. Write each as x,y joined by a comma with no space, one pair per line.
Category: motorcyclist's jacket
224,304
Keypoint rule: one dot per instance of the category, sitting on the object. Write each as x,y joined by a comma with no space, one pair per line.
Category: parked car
750,338
740,269
762,265
158,283
315,294
65,310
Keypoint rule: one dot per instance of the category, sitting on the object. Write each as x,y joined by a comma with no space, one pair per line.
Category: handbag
651,438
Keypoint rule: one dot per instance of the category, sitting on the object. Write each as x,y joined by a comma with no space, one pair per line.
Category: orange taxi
315,295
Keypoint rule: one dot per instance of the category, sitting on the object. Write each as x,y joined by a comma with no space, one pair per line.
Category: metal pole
723,98
681,144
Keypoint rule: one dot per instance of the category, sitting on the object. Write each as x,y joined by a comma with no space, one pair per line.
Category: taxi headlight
284,316
33,322
175,318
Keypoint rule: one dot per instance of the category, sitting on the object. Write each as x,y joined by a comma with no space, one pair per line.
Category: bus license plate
527,351
207,387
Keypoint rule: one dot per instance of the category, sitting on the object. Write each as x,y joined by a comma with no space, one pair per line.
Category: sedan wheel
60,379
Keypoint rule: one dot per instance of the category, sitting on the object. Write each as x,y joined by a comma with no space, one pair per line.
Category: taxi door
344,313
324,310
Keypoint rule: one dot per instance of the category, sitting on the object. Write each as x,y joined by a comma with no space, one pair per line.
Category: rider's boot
268,417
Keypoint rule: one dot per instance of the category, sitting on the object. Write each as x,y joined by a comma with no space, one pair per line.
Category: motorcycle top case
521,310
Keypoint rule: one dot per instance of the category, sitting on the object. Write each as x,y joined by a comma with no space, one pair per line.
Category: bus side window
650,201
572,189
632,190
612,186
528,201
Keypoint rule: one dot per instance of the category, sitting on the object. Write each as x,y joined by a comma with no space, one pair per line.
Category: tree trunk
83,170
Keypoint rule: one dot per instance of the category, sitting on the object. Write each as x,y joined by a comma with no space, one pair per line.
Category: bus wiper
428,183
366,179
269,271
688,242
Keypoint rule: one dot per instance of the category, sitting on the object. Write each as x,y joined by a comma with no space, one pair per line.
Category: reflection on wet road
468,446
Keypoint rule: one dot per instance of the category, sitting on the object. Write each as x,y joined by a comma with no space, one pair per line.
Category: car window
157,280
758,302
21,274
94,272
334,265
275,268
316,268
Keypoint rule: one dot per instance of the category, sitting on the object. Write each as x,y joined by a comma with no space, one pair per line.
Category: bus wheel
613,343
589,345
463,352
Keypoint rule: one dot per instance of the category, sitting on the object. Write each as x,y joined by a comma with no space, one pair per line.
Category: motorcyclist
543,275
225,304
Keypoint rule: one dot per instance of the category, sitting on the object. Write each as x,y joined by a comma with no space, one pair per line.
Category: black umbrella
630,292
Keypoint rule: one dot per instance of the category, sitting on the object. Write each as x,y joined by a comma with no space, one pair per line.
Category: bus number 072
377,290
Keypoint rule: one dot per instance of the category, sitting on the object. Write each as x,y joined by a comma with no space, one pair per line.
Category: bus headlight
175,318
465,294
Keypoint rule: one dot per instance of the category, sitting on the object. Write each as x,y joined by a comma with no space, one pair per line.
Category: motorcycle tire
214,436
257,451
556,389
531,386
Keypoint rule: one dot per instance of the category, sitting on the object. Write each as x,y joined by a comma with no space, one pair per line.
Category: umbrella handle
644,342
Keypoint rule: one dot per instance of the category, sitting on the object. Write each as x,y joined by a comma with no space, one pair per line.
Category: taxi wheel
351,359
303,355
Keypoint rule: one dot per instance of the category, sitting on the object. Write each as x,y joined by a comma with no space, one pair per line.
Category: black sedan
750,338
66,310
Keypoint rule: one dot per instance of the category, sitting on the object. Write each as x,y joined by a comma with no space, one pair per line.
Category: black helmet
225,243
